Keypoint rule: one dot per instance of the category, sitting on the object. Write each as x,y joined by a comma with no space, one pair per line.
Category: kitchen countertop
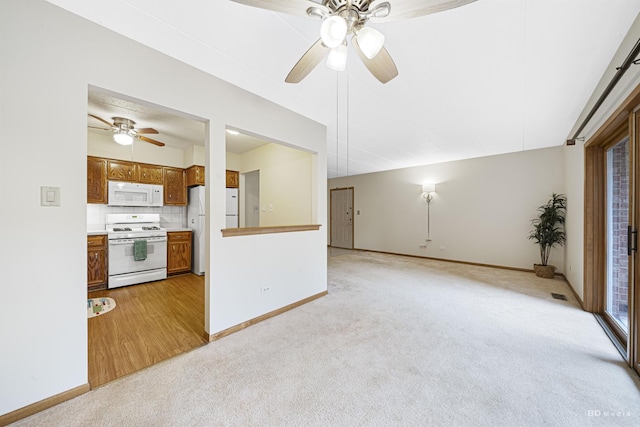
171,229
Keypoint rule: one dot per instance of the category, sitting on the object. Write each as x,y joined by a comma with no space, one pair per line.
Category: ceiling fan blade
407,9
292,7
95,127
381,66
102,120
308,62
147,130
152,141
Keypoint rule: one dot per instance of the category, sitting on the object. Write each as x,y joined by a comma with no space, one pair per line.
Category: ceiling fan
124,131
342,18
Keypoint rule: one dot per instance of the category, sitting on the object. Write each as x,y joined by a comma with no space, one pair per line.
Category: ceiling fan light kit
124,131
123,138
337,59
370,41
333,31
344,17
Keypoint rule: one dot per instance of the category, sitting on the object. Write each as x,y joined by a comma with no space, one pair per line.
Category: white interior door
342,218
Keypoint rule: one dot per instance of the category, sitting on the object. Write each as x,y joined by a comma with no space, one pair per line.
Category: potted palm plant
548,231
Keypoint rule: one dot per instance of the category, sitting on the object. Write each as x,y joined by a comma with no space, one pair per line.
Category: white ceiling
491,77
175,129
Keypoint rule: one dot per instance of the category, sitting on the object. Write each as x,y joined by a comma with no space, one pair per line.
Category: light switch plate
49,196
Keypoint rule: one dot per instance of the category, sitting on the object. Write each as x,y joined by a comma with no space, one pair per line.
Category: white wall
49,58
481,211
101,145
194,155
285,183
234,161
574,155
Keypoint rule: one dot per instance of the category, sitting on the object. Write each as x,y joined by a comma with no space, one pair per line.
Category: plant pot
546,271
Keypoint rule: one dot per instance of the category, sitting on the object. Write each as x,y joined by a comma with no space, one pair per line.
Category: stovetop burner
130,226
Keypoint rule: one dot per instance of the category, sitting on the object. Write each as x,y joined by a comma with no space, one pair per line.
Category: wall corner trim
573,291
40,406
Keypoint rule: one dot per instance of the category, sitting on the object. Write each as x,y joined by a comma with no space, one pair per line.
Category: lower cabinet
178,252
96,262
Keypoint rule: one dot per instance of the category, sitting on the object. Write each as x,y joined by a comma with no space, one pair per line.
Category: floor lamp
427,193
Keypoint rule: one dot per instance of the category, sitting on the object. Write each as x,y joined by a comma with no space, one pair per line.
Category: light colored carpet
398,341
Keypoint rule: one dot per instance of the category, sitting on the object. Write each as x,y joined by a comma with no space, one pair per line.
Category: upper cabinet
233,179
195,175
174,180
96,180
120,170
149,174
175,186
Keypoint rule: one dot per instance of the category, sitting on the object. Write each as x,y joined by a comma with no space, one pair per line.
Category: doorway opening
156,320
341,220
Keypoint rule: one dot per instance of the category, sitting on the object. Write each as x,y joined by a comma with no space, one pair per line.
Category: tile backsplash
170,216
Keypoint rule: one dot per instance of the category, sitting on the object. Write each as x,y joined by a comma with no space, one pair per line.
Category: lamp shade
337,59
428,188
123,138
333,31
370,41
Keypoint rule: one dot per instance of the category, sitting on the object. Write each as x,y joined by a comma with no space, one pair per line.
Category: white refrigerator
232,208
195,221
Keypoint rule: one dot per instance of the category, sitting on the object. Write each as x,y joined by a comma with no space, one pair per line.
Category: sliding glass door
619,238
612,219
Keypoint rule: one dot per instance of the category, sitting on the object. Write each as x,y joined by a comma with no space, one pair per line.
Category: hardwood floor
151,322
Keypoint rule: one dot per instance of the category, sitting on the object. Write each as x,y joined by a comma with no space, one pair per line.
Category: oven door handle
130,241
121,242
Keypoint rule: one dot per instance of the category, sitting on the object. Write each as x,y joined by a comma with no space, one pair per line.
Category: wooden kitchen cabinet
96,262
149,174
195,175
233,179
175,186
178,252
96,180
121,170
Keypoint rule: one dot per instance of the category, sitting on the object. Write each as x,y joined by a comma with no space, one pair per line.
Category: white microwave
130,194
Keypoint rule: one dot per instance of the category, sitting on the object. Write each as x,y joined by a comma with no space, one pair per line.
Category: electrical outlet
265,289
423,246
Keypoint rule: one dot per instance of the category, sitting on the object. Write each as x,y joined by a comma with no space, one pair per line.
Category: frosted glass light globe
370,41
333,31
337,59
123,138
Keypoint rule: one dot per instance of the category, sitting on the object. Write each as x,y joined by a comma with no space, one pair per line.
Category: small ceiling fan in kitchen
344,18
124,131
